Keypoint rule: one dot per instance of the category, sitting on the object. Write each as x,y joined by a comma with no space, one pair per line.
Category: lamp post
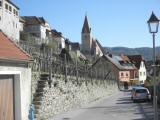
153,24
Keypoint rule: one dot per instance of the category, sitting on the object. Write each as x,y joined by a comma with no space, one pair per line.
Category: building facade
37,27
9,19
139,62
57,36
142,72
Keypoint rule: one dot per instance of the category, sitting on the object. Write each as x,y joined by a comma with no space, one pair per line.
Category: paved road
116,107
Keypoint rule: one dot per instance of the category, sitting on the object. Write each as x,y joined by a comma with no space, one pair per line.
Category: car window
141,91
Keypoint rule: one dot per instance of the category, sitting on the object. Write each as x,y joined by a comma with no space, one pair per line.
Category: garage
6,97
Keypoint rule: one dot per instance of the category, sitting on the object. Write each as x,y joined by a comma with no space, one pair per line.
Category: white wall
60,41
142,72
9,22
124,76
22,85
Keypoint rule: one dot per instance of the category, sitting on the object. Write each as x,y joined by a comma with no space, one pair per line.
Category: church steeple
86,28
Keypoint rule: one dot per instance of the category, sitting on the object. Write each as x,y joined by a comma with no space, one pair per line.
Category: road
116,107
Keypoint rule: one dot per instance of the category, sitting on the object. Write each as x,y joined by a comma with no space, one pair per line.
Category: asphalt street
118,106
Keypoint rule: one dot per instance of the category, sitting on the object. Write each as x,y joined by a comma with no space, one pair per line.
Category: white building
9,19
138,60
142,72
38,27
57,36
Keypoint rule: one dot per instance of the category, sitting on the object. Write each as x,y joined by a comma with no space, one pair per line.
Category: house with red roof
15,80
115,67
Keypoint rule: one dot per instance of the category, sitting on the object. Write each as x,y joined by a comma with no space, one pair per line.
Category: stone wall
63,96
35,78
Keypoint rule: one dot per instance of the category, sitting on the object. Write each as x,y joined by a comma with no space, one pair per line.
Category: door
6,98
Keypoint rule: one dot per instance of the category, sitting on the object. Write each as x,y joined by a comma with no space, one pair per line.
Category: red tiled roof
10,51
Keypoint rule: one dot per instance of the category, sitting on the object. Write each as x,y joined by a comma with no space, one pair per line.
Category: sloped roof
100,46
33,20
136,60
55,33
10,51
120,63
86,28
115,60
75,45
125,58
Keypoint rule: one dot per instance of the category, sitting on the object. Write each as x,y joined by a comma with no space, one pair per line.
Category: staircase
38,96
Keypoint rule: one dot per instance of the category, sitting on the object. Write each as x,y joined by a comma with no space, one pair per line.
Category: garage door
6,98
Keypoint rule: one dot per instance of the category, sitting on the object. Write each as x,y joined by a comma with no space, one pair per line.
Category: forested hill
146,52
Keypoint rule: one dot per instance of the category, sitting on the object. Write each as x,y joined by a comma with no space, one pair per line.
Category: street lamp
153,24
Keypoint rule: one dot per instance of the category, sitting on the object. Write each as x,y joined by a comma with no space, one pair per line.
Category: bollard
31,112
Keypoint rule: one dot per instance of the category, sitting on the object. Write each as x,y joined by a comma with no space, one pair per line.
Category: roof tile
10,51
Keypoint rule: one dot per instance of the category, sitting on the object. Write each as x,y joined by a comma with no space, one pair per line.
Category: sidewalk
71,114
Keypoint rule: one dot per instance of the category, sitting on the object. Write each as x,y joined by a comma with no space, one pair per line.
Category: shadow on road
143,108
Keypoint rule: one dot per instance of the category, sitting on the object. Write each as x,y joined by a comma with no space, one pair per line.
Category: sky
113,22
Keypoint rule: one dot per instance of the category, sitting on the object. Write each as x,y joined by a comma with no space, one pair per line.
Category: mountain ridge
146,52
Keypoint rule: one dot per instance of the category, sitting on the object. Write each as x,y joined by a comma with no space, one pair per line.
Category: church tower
86,37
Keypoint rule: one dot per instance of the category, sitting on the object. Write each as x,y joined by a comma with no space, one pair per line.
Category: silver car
140,93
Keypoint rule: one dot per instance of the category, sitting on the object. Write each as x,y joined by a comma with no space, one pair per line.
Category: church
90,46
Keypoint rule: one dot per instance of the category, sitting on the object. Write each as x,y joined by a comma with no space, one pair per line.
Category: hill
146,52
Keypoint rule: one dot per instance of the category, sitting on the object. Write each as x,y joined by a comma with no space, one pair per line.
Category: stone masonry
62,97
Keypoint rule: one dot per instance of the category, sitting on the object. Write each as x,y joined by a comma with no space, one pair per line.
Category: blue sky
113,22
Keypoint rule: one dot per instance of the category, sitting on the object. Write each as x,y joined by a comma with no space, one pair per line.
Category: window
127,74
10,8
17,13
144,73
0,3
13,24
6,6
121,74
14,11
140,73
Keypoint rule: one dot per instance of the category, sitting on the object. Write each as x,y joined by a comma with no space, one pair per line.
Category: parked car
140,94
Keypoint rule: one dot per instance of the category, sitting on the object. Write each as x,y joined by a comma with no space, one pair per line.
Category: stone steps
38,96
